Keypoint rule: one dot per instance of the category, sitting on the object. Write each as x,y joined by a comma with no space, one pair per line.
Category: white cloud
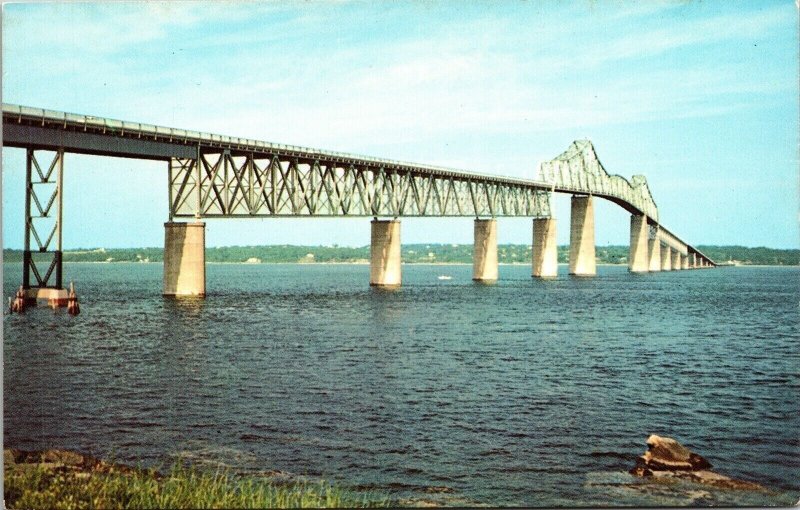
461,77
691,33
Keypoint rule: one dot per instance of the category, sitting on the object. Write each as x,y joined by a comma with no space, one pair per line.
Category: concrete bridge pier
637,256
693,261
676,260
384,253
581,237
685,261
544,252
184,259
666,258
654,254
484,255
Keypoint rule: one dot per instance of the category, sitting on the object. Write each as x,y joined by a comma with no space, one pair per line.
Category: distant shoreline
439,254
119,262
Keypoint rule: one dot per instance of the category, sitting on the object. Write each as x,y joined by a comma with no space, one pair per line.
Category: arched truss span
579,170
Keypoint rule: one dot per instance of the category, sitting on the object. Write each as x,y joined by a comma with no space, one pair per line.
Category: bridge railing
135,129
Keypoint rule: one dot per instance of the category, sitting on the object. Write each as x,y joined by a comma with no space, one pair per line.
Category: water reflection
185,306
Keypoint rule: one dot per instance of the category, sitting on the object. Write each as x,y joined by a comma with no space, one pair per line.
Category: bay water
526,392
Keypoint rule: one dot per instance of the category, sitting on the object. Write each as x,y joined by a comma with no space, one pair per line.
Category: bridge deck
37,128
49,129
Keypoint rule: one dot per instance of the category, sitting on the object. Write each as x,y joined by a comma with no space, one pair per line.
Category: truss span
579,170
275,184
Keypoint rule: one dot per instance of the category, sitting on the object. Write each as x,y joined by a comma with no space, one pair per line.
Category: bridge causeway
214,176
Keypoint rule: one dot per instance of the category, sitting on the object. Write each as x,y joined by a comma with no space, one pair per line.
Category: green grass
35,486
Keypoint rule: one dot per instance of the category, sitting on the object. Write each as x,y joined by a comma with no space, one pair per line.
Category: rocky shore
70,481
62,461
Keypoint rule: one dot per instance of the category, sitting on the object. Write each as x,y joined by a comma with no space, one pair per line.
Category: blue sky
701,97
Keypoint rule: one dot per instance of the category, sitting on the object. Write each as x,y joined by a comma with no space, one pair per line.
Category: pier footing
637,256
581,237
676,260
384,253
185,259
544,250
54,297
484,255
666,258
654,254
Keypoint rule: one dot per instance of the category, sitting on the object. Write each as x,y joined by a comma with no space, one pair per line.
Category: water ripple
523,393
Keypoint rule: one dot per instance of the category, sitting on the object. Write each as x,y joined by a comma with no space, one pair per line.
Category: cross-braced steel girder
652,231
223,184
43,214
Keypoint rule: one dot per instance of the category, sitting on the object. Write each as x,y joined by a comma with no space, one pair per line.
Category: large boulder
666,458
64,457
666,454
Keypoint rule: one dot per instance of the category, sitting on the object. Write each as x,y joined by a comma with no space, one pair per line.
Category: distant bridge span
220,176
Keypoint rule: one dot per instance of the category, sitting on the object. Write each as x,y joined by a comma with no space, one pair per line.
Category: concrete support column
384,252
685,261
666,258
544,249
637,255
692,260
185,259
484,254
654,254
676,260
581,237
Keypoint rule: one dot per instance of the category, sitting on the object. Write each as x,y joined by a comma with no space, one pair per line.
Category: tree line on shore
411,253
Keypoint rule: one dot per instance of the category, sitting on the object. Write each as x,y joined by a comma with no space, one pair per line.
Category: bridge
215,176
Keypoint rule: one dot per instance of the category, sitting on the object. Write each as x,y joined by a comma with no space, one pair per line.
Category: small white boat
445,277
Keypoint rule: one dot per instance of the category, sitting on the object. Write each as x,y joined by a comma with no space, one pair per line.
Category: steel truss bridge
215,176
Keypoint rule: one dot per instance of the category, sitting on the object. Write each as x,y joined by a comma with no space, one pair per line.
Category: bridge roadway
213,175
